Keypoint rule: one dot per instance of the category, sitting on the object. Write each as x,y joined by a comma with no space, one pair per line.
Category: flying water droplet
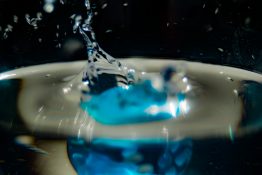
34,21
7,30
216,11
49,6
108,31
15,19
220,49
104,6
247,21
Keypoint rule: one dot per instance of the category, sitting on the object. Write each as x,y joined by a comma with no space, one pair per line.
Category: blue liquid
120,105
126,157
124,106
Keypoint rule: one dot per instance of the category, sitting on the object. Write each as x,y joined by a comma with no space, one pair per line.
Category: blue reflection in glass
126,157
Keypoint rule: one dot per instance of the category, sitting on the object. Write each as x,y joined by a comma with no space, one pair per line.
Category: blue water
126,157
131,104
125,105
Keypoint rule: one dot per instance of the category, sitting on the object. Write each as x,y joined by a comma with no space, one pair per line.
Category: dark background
226,32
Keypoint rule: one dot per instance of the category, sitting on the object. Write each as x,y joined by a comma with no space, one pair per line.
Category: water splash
150,100
34,21
100,65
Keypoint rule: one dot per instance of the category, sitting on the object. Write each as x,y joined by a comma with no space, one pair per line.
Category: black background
179,29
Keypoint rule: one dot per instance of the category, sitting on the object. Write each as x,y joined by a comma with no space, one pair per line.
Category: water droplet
217,10
62,2
57,26
58,45
15,18
73,16
108,31
209,28
39,15
33,21
39,40
247,21
204,5
104,6
125,4
9,28
220,49
49,7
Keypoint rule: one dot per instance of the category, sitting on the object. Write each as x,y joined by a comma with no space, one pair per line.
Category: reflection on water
40,110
